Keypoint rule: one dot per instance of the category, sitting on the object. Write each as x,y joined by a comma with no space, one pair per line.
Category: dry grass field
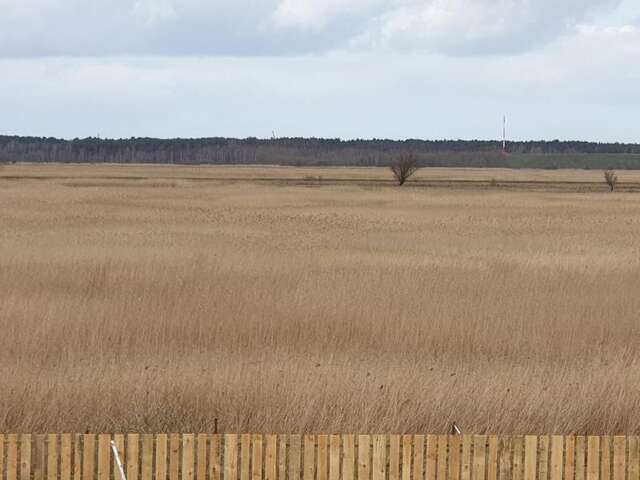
146,298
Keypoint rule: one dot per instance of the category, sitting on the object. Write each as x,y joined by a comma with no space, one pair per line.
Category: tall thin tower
504,134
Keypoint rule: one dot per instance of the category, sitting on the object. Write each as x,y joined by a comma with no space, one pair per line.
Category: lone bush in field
611,178
403,167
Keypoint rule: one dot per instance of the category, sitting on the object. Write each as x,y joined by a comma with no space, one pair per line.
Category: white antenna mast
504,134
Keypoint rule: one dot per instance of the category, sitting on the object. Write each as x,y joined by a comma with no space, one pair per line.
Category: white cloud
152,12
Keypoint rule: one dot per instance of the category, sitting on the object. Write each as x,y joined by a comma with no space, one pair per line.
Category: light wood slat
557,453
174,456
133,456
162,441
2,442
543,457
119,440
407,455
309,458
245,456
295,454
453,471
418,457
379,469
256,458
479,456
569,458
593,458
38,462
506,457
77,457
322,461
215,449
580,458
188,456
364,457
619,458
394,457
201,456
348,457
12,457
518,458
146,463
530,457
88,456
270,457
442,456
53,453
466,457
104,457
334,457
230,457
633,464
492,458
25,457
282,458
605,458
431,458
66,456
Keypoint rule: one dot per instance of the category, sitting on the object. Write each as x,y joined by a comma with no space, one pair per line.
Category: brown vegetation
283,308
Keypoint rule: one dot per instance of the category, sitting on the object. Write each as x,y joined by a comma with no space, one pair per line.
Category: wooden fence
319,457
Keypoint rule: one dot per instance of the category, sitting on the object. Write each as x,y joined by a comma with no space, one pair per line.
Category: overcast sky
567,69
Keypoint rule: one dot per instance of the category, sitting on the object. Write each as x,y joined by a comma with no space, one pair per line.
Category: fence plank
418,457
119,440
492,458
215,470
282,458
453,472
25,457
245,456
506,452
256,458
309,458
619,457
66,447
104,457
188,456
230,457
133,456
295,452
543,457
322,461
146,463
479,456
394,457
38,463
161,456
442,456
12,457
593,458
431,458
517,464
570,457
348,457
88,456
580,458
201,456
530,457
53,453
334,457
605,458
407,455
379,457
557,452
633,464
364,457
2,456
77,457
270,457
174,457
466,457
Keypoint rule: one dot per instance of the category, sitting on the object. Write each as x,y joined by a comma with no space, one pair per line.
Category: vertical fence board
619,458
174,457
580,458
348,457
334,457
633,466
12,457
215,470
1,456
25,457
506,451
256,458
66,447
270,457
201,456
466,457
104,457
322,461
38,463
492,458
407,455
188,456
295,452
230,457
88,456
517,464
543,458
146,462
77,458
530,457
593,458
245,456
364,457
431,458
569,458
418,457
394,457
119,440
379,457
53,453
161,456
309,458
479,456
605,459
442,457
133,456
453,472
557,452
282,458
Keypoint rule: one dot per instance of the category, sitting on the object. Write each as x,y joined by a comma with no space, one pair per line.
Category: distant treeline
321,152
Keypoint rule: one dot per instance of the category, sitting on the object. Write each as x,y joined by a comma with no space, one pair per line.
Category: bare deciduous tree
403,167
611,178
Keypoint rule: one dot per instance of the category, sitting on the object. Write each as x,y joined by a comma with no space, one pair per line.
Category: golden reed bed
144,298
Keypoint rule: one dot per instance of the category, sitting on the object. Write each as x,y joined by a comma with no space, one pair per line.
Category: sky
431,69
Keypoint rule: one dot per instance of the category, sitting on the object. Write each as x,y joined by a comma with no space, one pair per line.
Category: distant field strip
319,457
